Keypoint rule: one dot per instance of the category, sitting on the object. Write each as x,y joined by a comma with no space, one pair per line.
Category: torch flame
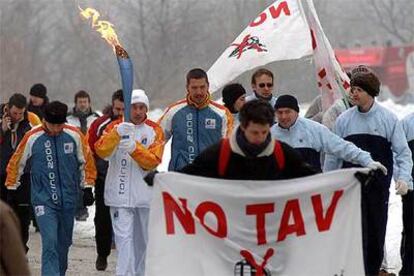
105,28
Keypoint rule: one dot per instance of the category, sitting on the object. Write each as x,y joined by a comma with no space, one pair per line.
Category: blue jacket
193,130
59,166
311,139
379,132
408,127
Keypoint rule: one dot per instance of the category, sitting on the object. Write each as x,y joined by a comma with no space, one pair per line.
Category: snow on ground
82,253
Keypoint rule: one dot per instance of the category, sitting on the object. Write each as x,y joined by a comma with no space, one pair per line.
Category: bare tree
395,17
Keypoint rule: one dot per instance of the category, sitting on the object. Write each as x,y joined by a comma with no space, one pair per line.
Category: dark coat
241,167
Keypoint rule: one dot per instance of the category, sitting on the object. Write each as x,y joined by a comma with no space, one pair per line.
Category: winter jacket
124,183
38,110
253,96
408,127
60,165
262,167
9,141
378,132
82,120
311,139
95,131
193,129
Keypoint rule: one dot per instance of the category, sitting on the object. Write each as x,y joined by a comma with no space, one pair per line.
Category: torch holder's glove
401,187
125,130
88,198
127,144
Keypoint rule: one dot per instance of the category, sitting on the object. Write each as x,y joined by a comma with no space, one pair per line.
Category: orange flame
105,28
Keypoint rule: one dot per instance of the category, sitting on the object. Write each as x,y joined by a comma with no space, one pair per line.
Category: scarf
251,150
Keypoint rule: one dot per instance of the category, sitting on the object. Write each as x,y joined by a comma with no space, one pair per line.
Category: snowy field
85,230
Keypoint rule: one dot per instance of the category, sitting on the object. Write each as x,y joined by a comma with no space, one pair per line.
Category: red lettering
259,20
292,208
208,206
275,12
324,223
260,211
184,216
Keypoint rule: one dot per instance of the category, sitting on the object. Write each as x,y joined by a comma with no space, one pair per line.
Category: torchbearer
132,149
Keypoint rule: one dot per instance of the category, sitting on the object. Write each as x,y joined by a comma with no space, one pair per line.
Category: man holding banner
376,130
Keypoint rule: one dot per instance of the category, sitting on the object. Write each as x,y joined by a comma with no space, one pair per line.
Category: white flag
280,32
302,226
332,79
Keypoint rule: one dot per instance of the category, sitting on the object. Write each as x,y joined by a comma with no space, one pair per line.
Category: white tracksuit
126,192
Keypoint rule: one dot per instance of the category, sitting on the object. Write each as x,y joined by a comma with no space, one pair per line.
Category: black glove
88,198
149,178
11,198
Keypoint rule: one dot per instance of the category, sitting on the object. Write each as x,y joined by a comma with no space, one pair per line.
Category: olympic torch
105,28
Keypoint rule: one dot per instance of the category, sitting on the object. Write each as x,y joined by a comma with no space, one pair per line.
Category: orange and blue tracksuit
193,128
59,165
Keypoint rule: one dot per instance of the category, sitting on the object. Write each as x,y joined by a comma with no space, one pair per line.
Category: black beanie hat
368,81
56,112
38,90
287,101
231,93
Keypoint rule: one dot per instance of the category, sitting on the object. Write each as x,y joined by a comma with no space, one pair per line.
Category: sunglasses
262,85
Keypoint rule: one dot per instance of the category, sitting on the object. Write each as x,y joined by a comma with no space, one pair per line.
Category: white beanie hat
139,96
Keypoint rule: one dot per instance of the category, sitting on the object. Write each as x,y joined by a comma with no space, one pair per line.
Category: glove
149,178
125,129
127,144
11,197
377,166
88,198
401,187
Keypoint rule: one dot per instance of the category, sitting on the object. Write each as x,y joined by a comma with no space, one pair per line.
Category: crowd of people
51,159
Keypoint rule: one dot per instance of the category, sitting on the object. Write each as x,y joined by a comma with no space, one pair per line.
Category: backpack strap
225,151
279,155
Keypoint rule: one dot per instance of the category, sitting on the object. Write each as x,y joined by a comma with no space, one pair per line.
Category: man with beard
103,225
82,117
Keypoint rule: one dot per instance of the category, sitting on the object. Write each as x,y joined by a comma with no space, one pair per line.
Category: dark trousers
407,245
23,213
103,225
374,206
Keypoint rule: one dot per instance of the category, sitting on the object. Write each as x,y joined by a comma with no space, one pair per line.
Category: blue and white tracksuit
310,139
379,132
59,166
193,130
407,241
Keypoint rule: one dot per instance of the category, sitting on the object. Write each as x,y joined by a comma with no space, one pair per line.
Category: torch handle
127,78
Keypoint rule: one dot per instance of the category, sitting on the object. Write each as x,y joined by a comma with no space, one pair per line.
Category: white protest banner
333,82
303,226
280,32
